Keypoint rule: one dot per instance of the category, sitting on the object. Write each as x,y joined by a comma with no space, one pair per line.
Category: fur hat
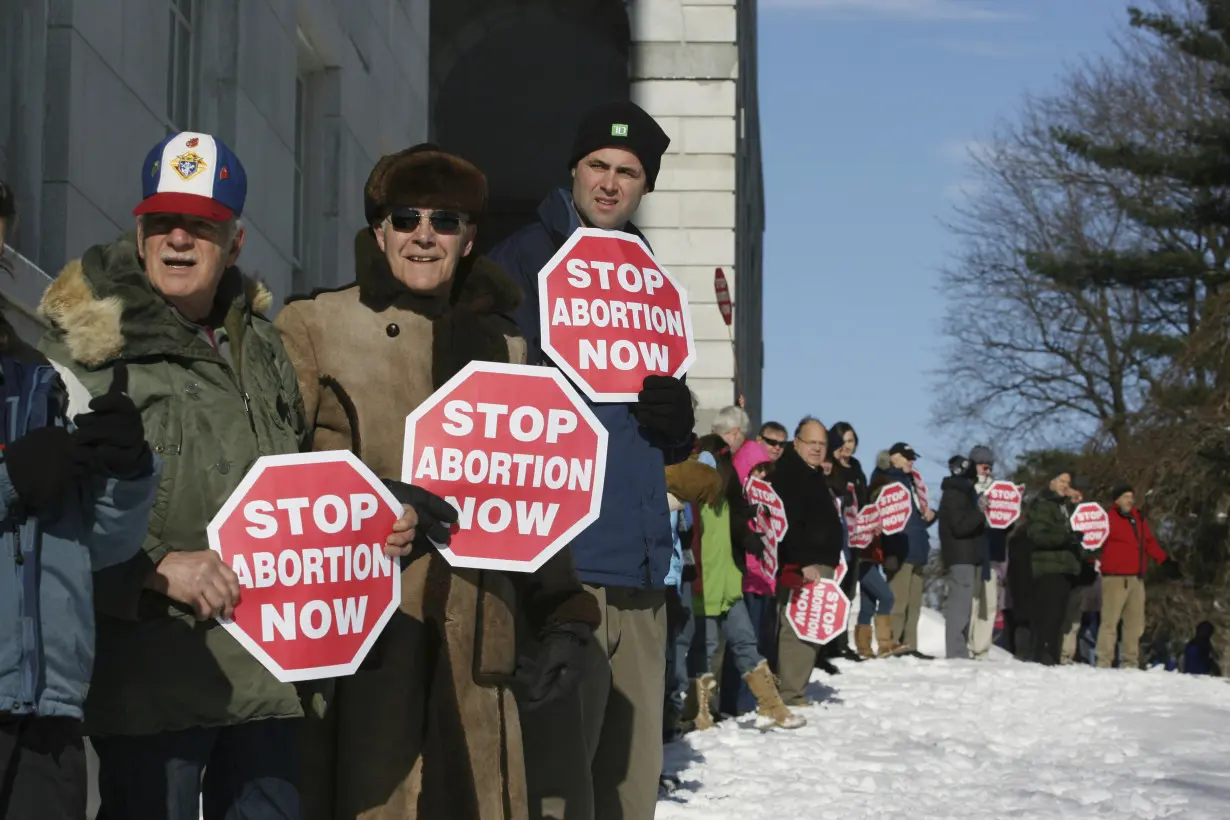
424,176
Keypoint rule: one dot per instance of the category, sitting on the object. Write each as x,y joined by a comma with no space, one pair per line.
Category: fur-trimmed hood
105,308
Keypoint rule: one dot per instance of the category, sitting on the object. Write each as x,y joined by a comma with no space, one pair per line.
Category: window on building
181,67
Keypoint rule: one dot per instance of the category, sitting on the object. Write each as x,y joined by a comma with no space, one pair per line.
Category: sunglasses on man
407,220
773,442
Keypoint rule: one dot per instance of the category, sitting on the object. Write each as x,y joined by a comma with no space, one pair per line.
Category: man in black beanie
599,755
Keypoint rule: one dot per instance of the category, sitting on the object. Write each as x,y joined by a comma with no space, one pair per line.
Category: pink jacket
755,580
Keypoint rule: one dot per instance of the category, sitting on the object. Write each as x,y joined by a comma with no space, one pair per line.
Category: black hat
1119,489
1081,482
982,454
901,448
622,125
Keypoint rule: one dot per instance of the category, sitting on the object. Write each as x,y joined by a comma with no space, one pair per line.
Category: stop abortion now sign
1003,504
818,611
895,506
305,534
610,315
1093,523
520,456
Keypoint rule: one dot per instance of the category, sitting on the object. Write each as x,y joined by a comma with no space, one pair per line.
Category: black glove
891,563
664,405
45,466
563,658
436,516
1172,569
111,436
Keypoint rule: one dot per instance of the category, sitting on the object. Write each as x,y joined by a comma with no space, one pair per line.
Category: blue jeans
251,772
877,596
736,697
681,630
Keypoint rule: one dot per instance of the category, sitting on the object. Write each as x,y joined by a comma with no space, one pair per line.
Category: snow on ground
911,738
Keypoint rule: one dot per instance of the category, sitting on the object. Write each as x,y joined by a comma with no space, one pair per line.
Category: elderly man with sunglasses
429,728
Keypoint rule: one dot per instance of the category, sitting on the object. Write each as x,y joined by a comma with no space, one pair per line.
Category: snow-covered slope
937,739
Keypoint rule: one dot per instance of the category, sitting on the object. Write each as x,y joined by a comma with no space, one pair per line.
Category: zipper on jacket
247,405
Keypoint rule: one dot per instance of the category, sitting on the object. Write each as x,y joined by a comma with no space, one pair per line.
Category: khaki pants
598,754
796,658
907,586
982,617
1072,624
1123,597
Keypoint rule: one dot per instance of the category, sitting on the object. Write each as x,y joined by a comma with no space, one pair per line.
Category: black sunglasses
773,442
406,220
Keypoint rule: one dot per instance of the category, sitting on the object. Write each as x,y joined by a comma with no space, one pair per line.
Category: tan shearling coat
428,728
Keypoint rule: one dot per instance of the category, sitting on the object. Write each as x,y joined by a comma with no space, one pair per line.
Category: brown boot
701,694
885,643
760,681
862,641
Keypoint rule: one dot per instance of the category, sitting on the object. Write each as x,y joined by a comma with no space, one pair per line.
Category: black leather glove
111,436
891,563
753,544
664,405
1172,569
563,658
45,466
436,516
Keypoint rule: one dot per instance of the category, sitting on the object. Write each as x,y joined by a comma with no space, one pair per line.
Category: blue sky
867,108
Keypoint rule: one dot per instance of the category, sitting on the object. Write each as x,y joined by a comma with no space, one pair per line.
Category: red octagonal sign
818,611
610,315
1003,504
305,534
1091,520
895,507
519,454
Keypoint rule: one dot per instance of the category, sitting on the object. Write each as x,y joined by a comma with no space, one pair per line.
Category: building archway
510,81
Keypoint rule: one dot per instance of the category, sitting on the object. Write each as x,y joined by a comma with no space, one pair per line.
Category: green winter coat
1049,528
208,421
721,579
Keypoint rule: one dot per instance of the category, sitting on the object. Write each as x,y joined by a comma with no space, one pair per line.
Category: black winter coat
813,530
963,525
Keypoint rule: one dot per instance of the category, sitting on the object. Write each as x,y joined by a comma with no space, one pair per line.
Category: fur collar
104,307
481,286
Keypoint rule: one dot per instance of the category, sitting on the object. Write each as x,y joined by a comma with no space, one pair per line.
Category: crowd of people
489,694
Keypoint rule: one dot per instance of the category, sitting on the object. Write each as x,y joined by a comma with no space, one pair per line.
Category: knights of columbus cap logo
619,129
188,165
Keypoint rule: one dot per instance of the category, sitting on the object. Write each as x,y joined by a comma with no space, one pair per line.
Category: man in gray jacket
963,534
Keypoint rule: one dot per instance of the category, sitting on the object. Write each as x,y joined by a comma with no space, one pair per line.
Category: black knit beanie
622,125
1119,489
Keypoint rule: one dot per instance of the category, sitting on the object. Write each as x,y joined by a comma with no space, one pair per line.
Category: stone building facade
311,92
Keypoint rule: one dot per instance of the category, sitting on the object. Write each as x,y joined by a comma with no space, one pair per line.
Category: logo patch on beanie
619,129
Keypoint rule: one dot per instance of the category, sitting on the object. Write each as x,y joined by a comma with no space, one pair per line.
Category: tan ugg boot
885,644
760,681
701,693
862,641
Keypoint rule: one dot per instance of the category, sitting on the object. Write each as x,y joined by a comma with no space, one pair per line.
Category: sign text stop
1093,522
518,453
1003,504
305,535
895,505
819,611
610,315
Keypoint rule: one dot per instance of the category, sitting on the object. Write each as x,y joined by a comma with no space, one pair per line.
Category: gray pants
598,754
958,608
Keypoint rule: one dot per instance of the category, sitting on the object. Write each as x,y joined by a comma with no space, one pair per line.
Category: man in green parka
178,710
1057,561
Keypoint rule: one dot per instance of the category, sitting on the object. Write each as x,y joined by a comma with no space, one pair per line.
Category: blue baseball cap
191,173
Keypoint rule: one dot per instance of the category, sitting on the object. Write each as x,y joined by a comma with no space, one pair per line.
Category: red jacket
1124,551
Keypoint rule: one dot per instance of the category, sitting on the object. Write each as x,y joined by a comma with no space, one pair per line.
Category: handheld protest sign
818,612
1093,522
920,487
843,567
760,492
305,534
866,522
895,507
1003,504
519,455
611,315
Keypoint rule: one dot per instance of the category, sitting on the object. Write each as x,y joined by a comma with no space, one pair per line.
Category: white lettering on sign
504,469
330,514
578,312
630,277
314,619
622,355
895,508
526,424
314,565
